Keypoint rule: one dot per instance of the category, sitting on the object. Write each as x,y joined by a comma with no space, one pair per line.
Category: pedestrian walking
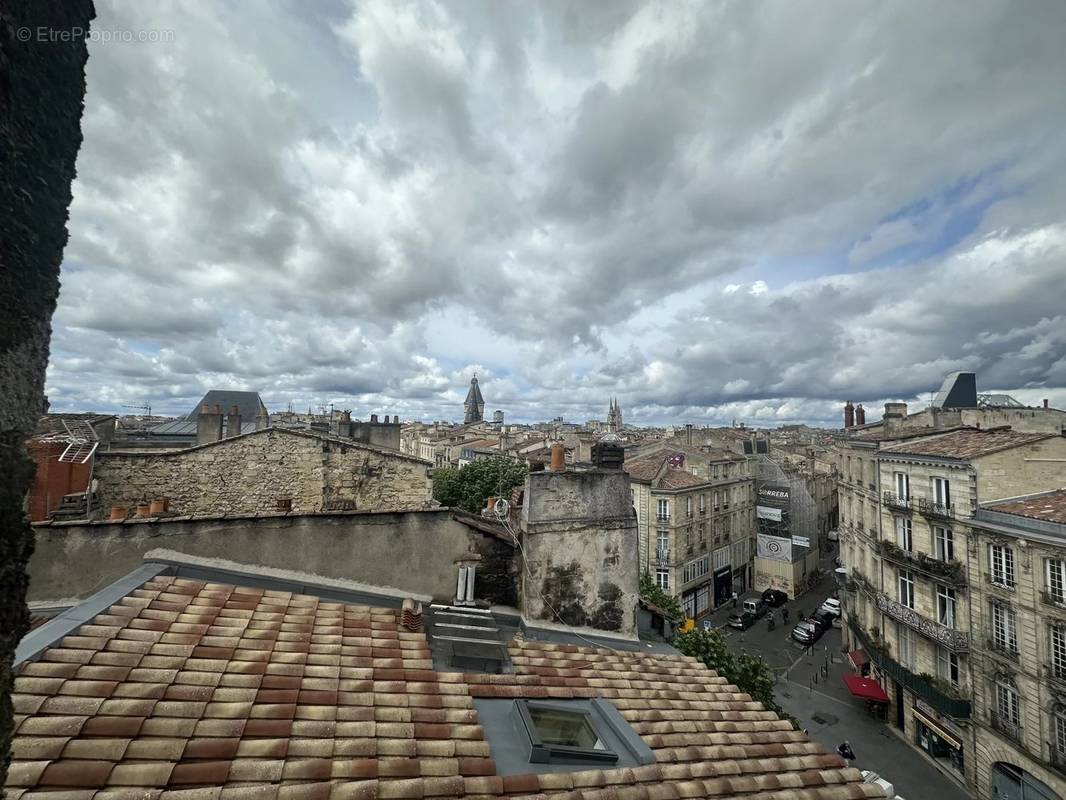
734,599
784,613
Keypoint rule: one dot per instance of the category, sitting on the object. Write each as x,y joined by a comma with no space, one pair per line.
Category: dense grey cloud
710,210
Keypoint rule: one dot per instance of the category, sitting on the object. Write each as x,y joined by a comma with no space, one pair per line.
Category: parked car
831,606
807,632
756,607
822,619
774,598
742,620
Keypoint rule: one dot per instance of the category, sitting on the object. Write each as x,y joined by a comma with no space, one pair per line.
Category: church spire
474,406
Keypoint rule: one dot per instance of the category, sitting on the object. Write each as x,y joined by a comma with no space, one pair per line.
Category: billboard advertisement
778,548
773,494
766,512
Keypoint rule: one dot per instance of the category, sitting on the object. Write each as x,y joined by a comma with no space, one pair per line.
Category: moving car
774,598
756,607
807,632
742,620
831,606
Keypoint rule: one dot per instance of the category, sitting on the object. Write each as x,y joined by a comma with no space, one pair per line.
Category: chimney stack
895,413
688,434
1045,403
233,422
209,425
558,463
849,415
860,415
344,425
262,419
373,417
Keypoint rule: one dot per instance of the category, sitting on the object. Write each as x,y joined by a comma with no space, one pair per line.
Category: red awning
865,689
858,658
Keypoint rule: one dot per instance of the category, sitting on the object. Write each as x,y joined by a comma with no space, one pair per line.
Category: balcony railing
1006,649
662,556
662,517
998,580
950,572
933,509
1008,727
952,706
1055,598
958,641
1056,673
897,502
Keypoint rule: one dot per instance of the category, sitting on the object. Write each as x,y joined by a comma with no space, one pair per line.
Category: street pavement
810,687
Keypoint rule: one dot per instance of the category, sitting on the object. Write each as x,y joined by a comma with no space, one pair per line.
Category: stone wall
249,474
412,551
581,565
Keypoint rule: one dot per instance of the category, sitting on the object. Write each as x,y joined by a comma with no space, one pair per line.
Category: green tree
748,673
469,487
657,597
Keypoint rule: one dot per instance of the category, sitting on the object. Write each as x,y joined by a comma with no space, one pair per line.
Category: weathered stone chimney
262,419
849,415
344,425
860,415
209,424
233,422
895,413
1045,403
688,434
558,463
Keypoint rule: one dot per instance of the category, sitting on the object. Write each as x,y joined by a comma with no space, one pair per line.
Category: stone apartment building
908,498
1018,605
696,515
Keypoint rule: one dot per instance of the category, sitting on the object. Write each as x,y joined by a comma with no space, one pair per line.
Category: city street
824,706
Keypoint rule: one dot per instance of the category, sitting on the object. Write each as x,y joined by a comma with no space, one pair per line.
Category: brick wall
53,479
248,474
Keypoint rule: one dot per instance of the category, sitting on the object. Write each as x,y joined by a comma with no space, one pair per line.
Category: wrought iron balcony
999,581
1054,598
932,509
1007,650
1012,730
1056,673
662,556
958,641
950,572
893,500
662,517
957,707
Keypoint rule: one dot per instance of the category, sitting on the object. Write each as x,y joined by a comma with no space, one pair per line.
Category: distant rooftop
248,403
1047,506
965,444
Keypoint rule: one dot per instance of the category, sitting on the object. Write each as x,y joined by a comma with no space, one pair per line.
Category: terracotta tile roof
966,444
1049,506
186,690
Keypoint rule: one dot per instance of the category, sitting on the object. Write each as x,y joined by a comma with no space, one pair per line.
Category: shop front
723,585
937,737
696,602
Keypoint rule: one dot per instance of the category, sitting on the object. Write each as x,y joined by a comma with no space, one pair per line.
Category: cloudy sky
711,211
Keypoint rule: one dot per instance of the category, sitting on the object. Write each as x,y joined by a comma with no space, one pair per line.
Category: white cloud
584,199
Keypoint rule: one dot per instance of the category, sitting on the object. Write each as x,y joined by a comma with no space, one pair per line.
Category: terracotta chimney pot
118,513
157,507
143,509
558,462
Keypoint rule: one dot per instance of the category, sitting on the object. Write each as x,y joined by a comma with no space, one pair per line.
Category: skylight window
557,733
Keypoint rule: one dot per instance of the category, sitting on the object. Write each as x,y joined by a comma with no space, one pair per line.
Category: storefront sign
801,541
